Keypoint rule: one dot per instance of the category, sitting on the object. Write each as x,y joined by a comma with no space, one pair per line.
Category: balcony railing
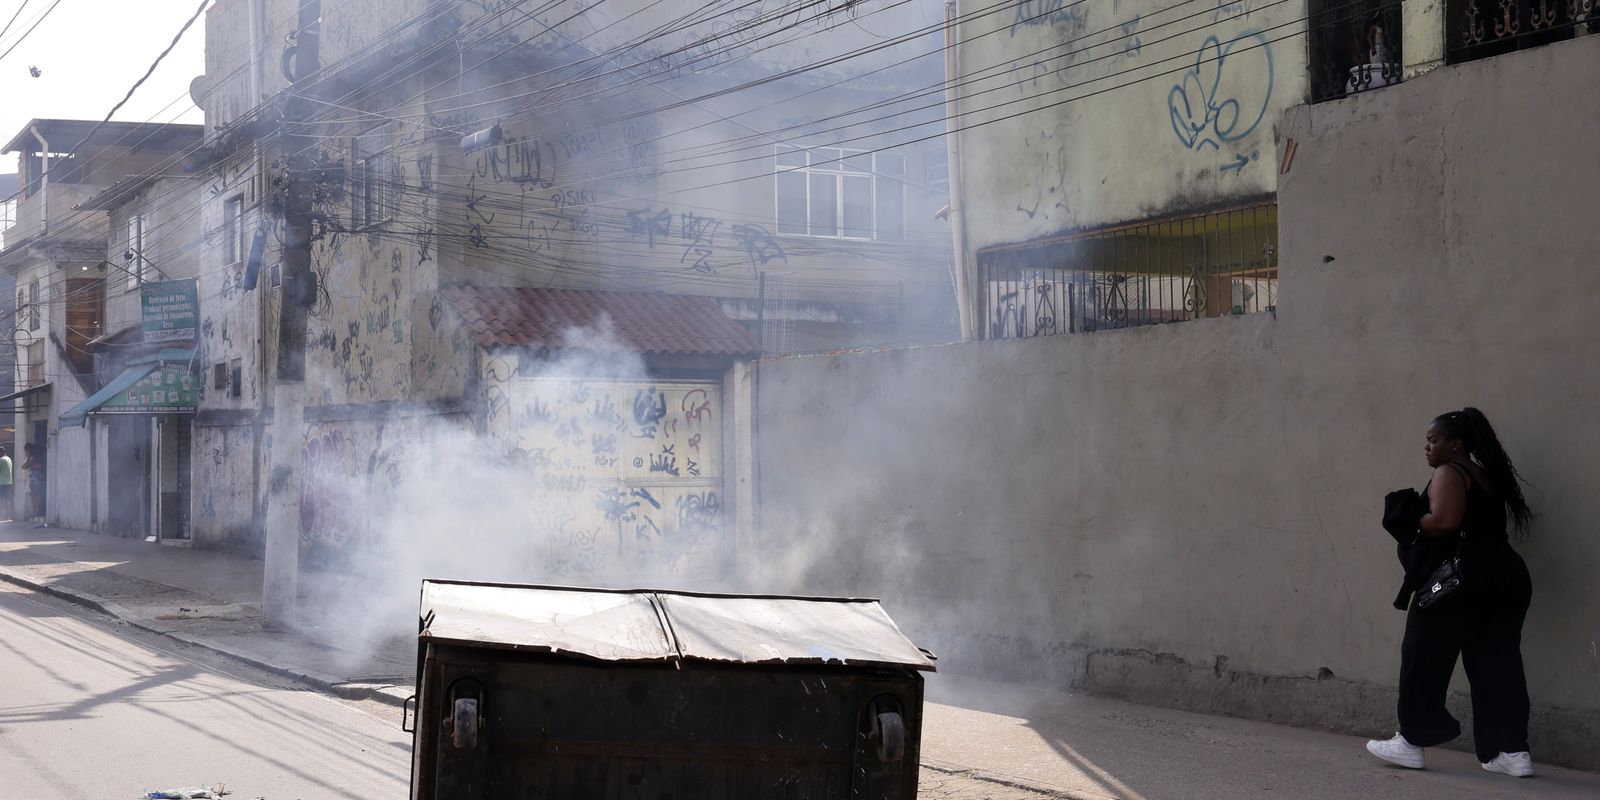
1354,46
1208,265
1482,28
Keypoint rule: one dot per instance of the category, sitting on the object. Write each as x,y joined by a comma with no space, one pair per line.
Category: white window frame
137,225
371,195
233,251
35,319
837,168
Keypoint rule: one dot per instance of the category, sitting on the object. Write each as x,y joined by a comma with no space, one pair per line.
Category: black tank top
1485,517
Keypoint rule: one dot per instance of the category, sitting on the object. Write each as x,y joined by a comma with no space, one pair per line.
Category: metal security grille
1482,28
1353,46
1184,268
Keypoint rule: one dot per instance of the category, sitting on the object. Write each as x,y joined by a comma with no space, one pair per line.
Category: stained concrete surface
1086,747
981,739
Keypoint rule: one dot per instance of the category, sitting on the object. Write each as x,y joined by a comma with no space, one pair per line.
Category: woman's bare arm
1447,503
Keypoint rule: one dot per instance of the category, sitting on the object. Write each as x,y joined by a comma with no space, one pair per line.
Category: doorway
128,468
176,433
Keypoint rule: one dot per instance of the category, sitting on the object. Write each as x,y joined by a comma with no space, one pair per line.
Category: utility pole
282,568
965,304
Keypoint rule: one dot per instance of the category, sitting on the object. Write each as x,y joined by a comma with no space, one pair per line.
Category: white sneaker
1399,751
1517,765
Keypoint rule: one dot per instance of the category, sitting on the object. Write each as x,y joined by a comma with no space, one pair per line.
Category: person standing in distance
7,500
33,462
1474,488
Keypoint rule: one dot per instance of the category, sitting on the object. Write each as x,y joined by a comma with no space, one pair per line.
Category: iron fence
1477,29
1173,270
1354,46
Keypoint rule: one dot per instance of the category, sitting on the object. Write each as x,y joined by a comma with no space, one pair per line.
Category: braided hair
1471,427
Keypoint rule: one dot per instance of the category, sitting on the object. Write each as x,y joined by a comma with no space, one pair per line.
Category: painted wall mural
623,477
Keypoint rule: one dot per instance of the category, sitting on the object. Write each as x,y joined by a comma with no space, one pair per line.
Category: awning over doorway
161,384
43,387
21,393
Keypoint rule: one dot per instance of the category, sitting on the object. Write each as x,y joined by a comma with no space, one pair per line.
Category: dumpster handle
408,710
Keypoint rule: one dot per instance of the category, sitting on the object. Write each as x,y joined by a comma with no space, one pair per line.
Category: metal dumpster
535,692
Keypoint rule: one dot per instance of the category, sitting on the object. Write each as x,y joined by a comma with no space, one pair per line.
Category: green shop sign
168,389
171,311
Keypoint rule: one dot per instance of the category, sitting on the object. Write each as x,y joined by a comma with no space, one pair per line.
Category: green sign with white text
171,310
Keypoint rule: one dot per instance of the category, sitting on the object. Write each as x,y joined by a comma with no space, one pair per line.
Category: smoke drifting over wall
436,499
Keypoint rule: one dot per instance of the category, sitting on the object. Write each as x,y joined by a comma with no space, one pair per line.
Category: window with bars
33,305
1477,29
1353,46
372,196
840,193
233,248
1148,273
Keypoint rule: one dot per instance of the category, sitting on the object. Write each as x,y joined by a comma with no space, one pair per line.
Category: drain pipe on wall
44,181
958,214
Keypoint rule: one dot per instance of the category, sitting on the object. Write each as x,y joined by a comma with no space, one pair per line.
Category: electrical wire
391,31
989,108
146,76
25,34
20,8
940,87
1188,57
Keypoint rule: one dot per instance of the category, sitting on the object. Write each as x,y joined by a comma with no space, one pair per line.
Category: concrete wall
1189,514
68,449
173,247
1131,110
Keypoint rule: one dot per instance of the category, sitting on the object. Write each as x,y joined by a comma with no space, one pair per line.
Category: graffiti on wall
1049,12
1225,97
347,472
619,473
327,493
697,237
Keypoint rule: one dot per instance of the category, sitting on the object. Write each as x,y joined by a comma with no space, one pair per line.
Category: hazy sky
89,52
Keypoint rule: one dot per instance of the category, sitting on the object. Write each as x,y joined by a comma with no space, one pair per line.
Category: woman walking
1474,486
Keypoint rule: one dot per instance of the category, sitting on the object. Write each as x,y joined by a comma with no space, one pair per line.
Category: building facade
471,151
1187,514
56,251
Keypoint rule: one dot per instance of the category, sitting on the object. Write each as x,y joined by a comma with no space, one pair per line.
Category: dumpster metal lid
653,625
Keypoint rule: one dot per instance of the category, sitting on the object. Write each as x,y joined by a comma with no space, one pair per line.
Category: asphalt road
92,709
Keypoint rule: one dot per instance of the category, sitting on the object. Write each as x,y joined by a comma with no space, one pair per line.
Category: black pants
1483,624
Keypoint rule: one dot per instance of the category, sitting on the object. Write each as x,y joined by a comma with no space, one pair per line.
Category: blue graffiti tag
1239,162
1209,106
1048,12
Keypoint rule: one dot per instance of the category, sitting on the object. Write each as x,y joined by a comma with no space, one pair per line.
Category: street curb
392,696
77,598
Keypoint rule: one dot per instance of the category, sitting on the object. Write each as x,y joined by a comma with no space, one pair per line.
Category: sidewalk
203,598
980,739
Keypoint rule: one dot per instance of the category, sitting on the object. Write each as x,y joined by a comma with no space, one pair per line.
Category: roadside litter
202,793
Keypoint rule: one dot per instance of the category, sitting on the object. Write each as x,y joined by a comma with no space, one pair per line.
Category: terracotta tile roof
648,322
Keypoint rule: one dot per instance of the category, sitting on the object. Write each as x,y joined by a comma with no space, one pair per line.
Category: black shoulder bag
1445,580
